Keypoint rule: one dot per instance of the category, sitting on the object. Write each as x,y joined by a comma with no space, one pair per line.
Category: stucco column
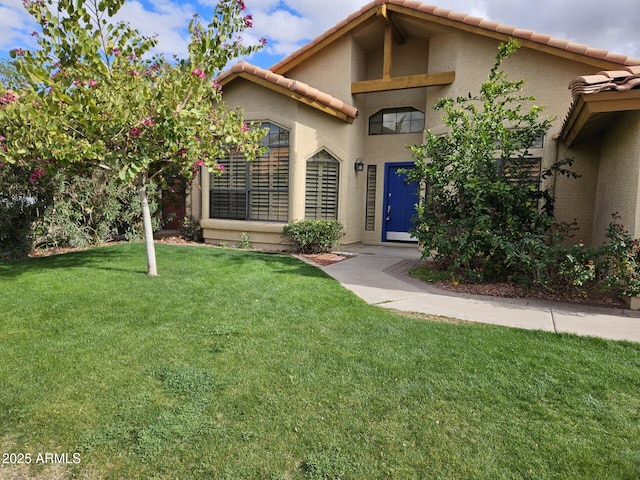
297,180
204,193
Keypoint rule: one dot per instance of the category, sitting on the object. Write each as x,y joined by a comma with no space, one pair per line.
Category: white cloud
15,25
289,24
168,20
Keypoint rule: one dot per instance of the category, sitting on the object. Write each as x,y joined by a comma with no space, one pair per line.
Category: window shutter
321,199
370,213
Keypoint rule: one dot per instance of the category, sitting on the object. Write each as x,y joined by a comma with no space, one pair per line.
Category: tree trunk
148,230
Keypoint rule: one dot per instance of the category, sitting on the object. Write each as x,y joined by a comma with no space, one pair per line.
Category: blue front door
400,199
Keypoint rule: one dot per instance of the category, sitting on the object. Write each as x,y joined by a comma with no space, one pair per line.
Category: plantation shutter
321,195
269,191
228,198
257,190
370,211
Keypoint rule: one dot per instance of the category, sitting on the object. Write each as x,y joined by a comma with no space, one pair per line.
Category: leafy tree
9,76
485,215
96,98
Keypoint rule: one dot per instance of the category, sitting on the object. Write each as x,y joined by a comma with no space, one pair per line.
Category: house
342,109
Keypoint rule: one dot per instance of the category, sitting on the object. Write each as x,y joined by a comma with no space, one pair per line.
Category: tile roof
443,14
617,80
300,88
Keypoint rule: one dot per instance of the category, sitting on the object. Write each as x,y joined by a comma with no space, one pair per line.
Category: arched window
257,190
392,121
321,192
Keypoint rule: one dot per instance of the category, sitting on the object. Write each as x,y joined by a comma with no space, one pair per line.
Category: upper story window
391,121
257,190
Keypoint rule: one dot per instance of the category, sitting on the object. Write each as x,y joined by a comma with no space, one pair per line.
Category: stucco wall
576,197
310,131
329,70
333,69
619,177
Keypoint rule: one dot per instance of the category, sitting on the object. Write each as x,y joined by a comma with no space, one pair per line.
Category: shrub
486,215
313,236
22,202
91,209
191,230
66,210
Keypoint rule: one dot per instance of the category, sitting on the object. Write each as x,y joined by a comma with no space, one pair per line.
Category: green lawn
241,365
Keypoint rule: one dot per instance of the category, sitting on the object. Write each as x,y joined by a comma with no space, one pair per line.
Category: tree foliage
95,97
485,214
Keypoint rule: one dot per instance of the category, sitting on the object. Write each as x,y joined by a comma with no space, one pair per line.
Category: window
392,121
321,193
525,170
257,190
370,213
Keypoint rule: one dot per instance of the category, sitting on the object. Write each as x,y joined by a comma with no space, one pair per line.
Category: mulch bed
588,296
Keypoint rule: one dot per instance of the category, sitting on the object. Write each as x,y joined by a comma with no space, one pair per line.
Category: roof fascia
587,106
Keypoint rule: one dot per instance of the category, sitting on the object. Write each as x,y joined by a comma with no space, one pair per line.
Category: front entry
400,199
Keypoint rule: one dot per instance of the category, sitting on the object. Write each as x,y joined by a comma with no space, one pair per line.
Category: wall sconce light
359,165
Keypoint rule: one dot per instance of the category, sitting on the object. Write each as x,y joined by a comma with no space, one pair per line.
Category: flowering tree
94,97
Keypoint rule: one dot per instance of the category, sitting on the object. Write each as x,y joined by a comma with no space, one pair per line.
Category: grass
241,365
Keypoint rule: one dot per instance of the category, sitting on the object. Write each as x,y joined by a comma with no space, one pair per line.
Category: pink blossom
220,167
2,138
248,21
243,7
263,41
92,83
148,122
135,132
36,175
216,85
19,52
35,34
134,73
116,51
199,163
198,73
8,97
244,128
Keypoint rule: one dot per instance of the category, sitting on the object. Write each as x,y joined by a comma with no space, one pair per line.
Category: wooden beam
399,83
383,15
388,53
296,96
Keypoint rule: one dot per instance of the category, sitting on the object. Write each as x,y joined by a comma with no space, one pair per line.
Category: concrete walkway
378,275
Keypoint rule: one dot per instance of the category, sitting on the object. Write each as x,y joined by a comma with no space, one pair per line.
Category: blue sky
289,24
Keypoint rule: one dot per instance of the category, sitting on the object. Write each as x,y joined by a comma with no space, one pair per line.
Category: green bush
22,202
615,265
66,210
191,230
487,214
313,236
92,209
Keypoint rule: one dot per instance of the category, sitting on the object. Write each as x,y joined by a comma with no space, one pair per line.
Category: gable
408,18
